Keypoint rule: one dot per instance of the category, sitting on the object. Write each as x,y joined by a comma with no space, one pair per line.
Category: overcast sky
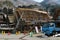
38,0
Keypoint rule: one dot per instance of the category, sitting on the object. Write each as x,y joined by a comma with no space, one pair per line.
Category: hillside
24,2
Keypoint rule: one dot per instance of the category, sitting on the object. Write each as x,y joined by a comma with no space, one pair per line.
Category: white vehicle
57,35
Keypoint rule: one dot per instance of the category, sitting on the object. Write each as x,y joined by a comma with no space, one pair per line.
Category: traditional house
31,16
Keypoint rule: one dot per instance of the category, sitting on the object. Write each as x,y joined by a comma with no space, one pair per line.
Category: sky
38,0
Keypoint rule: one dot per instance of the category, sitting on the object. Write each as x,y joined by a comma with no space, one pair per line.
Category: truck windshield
48,25
45,25
51,24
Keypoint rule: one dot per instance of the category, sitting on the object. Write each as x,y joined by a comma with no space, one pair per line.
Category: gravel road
17,37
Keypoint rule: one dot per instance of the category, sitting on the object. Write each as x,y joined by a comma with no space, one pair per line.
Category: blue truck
51,28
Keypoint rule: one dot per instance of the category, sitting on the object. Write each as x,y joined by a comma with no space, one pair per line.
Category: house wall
57,14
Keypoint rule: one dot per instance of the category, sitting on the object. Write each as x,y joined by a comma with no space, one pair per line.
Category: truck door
51,27
45,27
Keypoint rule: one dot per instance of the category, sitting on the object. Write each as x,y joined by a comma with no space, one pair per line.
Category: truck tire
47,34
54,32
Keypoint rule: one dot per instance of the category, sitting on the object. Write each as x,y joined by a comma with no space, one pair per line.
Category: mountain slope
51,2
23,2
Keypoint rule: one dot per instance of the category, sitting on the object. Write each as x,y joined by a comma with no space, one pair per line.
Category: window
58,25
59,17
1,17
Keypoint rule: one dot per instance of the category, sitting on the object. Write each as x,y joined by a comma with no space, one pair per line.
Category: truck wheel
54,32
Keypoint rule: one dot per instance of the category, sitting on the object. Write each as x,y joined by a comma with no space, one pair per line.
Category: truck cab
48,28
51,28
